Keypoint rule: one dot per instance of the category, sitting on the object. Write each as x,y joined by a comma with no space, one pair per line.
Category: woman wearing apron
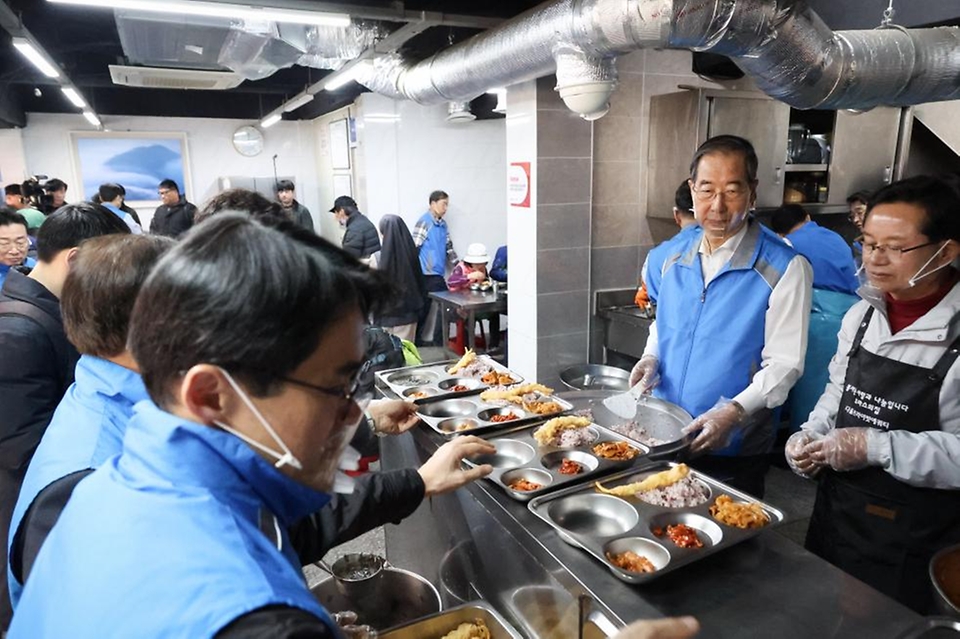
884,439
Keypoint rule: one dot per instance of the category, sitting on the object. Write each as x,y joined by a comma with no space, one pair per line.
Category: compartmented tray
431,382
437,625
601,523
470,415
520,456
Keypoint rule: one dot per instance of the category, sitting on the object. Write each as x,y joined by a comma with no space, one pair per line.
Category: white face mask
286,458
917,277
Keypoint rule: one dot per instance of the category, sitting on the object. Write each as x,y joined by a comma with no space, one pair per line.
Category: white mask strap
913,280
287,458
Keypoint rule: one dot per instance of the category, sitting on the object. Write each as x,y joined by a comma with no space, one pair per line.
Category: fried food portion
506,417
549,433
494,378
617,451
542,408
657,480
514,394
631,562
468,358
473,630
739,514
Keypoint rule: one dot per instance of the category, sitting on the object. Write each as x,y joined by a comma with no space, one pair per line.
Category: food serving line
489,542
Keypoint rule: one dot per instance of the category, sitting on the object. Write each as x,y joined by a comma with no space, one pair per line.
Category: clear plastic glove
714,427
797,457
393,416
443,472
645,373
841,449
671,628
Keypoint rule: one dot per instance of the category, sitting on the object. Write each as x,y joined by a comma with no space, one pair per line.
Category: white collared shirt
785,331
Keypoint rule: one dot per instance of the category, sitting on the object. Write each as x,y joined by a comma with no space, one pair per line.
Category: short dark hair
286,286
102,285
13,189
168,184
109,192
71,224
859,196
436,196
683,199
241,201
786,217
8,217
285,185
727,144
937,197
54,184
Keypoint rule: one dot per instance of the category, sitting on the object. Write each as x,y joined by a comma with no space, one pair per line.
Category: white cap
476,254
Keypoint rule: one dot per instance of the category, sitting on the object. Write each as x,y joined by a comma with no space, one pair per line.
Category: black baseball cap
343,202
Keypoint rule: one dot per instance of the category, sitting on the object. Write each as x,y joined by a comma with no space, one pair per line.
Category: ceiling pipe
787,49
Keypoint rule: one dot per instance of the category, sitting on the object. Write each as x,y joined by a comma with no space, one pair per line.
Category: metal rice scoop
625,404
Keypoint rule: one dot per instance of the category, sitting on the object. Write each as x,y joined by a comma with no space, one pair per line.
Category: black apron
871,525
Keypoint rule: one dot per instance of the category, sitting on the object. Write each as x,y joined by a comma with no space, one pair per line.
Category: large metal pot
595,377
398,596
948,558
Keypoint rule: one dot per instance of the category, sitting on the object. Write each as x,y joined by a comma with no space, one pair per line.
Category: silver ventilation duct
787,49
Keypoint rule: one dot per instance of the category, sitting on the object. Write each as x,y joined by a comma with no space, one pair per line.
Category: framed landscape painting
138,161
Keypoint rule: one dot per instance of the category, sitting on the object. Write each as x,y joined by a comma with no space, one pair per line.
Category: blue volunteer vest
178,536
433,251
711,337
87,429
830,257
658,256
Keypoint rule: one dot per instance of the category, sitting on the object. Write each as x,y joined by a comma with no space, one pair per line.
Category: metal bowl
653,551
555,459
400,596
487,415
458,425
595,377
594,515
708,532
510,454
452,408
470,384
412,378
534,475
944,605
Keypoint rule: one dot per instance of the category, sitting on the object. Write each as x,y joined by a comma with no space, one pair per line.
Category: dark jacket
173,221
361,239
36,367
301,215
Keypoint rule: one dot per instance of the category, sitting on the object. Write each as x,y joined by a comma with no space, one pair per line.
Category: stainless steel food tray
436,626
598,523
470,415
520,456
434,380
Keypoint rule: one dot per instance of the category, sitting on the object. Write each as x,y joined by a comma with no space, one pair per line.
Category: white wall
406,150
328,227
47,150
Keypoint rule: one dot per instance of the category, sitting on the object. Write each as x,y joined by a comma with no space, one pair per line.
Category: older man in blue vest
732,317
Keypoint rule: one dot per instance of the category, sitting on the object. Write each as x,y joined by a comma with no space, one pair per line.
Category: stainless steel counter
478,543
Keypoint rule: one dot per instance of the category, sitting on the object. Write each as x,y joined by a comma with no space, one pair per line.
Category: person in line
245,201
399,261
38,362
175,215
56,190
835,285
14,243
360,238
857,205
733,309
884,439
15,200
432,238
241,442
111,198
129,210
287,196
498,270
685,218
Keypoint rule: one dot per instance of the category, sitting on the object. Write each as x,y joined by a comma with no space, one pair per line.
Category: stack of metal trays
472,415
605,525
520,456
438,625
432,382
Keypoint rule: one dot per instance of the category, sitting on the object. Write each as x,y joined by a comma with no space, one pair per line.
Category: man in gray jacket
287,196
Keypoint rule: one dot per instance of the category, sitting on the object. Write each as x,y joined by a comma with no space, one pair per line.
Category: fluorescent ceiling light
221,10
270,120
74,97
497,91
92,118
338,79
28,50
298,102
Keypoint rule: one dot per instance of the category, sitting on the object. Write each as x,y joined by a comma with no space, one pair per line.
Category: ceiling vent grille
157,78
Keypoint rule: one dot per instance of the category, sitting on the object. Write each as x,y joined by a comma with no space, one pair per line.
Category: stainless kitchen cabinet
864,152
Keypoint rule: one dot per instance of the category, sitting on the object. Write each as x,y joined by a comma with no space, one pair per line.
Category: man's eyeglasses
729,194
347,392
893,252
161,193
20,243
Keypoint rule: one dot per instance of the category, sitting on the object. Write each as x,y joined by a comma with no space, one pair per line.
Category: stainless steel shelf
805,168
